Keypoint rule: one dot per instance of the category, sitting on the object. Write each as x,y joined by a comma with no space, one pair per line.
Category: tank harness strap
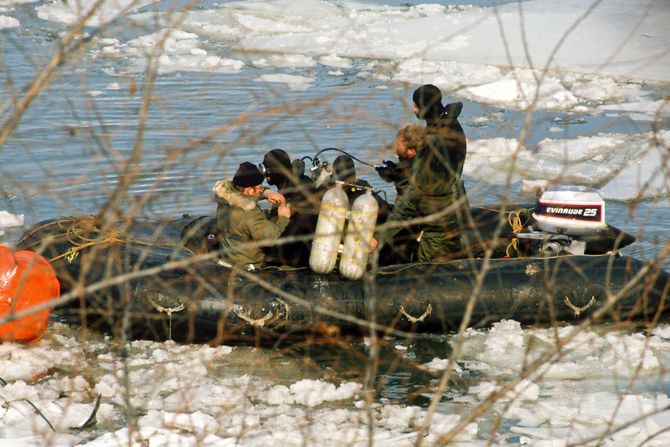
414,320
578,310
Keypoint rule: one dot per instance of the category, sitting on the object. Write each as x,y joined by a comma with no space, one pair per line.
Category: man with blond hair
430,193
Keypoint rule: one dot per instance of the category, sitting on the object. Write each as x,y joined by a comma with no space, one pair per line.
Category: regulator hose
334,149
316,162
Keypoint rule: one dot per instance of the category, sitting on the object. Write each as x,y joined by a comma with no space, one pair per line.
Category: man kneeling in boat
241,224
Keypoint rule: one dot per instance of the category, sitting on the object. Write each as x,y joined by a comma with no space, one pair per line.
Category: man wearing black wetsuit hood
443,121
299,193
442,161
428,106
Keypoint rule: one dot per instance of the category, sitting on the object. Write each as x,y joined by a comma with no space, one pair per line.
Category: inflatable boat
159,279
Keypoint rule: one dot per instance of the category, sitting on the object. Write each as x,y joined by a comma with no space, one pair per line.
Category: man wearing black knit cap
240,222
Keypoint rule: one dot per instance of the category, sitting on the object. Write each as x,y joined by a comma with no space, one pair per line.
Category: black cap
247,175
343,168
428,99
277,161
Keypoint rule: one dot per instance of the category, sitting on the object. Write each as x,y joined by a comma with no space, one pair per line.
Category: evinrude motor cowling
571,210
571,220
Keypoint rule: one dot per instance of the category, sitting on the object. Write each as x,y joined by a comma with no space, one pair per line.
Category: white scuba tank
358,237
329,226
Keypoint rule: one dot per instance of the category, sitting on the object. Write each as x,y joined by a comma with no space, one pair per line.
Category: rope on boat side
578,310
75,230
420,319
517,226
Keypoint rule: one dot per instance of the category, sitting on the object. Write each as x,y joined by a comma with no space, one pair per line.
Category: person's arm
260,228
274,197
403,210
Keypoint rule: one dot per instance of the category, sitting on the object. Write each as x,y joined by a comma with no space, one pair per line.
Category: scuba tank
329,226
359,235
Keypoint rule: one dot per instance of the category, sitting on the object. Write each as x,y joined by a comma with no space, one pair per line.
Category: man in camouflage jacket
241,224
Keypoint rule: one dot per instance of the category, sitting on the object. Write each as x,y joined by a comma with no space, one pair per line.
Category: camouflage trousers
438,246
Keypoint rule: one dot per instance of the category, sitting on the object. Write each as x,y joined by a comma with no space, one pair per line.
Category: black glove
389,171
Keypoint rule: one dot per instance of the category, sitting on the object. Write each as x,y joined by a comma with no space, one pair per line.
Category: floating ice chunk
643,173
279,394
642,110
22,363
314,392
534,187
108,386
5,3
630,354
662,331
522,89
18,390
441,424
72,12
582,149
333,60
286,60
438,364
8,220
398,417
170,40
8,22
295,83
197,422
23,439
523,391
447,75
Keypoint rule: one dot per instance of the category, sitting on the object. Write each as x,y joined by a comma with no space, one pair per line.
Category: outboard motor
571,210
571,220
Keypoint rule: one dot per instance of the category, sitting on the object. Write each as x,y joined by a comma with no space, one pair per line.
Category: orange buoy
26,280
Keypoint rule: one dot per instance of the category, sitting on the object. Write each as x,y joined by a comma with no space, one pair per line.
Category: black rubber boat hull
207,302
417,298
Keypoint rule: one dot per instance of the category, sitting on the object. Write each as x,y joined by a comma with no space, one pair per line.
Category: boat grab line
578,310
420,319
167,310
257,322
